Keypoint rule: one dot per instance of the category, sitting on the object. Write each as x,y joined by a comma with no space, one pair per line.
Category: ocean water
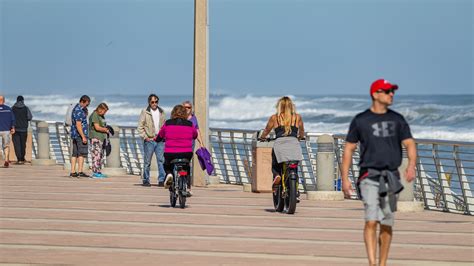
447,117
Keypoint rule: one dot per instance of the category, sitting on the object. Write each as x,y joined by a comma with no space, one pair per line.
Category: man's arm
410,145
12,129
80,131
349,149
141,126
29,116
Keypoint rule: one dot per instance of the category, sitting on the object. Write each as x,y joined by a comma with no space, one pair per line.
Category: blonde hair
102,106
285,111
187,102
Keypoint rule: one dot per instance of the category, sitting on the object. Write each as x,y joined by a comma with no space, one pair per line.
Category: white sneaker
168,181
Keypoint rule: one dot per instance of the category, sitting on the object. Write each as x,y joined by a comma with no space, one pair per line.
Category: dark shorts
79,148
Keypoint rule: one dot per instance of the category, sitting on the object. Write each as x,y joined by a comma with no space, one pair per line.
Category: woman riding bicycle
289,128
179,134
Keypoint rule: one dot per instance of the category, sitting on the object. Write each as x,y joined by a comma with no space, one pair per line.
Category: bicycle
285,195
178,190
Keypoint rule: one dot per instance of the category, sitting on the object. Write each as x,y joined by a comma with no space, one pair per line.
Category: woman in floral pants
97,135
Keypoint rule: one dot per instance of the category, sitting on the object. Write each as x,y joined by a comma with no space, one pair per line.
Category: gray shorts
4,139
79,148
369,190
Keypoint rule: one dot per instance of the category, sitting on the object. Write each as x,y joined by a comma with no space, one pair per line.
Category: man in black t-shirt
381,133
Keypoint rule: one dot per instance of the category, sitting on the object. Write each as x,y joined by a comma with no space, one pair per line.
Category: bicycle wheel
172,197
182,192
290,200
278,202
182,201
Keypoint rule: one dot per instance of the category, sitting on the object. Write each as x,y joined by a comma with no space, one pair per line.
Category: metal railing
445,169
445,173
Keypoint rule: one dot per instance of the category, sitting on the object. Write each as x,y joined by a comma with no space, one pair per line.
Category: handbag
204,157
106,145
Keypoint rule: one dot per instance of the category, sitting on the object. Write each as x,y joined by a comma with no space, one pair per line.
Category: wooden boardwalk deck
49,218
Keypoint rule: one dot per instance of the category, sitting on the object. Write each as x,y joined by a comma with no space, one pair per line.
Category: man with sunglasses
149,124
79,136
381,132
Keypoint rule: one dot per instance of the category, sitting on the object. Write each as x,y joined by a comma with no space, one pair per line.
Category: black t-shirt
380,137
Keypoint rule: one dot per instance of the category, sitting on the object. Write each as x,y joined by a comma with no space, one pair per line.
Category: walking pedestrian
191,117
7,128
79,134
22,118
380,132
97,134
149,124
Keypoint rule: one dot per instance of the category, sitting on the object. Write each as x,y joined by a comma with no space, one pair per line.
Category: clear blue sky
256,46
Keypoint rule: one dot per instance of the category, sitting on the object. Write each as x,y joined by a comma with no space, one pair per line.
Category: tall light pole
200,86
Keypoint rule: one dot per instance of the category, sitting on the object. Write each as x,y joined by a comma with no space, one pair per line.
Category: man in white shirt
149,124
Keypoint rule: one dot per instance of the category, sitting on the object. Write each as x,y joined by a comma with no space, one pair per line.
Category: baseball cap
382,84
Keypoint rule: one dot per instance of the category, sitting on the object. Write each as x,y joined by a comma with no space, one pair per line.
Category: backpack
68,118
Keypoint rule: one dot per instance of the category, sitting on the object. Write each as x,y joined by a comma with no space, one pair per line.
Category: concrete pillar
325,171
406,198
262,176
67,164
29,145
113,165
200,91
42,129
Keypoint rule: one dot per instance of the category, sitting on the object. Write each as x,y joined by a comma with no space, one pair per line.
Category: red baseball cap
382,84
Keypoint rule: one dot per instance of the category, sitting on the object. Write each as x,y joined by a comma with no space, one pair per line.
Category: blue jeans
150,148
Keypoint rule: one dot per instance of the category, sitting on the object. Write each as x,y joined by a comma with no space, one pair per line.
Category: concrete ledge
43,162
114,171
410,206
67,166
214,180
247,187
325,195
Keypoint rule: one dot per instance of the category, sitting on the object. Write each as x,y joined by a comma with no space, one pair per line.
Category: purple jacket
205,160
178,135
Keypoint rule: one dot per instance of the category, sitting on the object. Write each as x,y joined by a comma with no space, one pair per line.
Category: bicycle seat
292,164
179,160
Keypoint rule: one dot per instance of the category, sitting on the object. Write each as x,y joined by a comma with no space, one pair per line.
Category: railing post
213,179
325,172
463,182
406,198
262,177
113,164
43,158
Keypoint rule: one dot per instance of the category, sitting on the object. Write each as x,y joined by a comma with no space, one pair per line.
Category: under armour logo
384,129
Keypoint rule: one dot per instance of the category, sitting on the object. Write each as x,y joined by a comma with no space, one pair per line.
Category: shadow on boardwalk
46,217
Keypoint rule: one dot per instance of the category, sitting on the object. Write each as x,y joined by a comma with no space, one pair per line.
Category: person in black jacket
23,116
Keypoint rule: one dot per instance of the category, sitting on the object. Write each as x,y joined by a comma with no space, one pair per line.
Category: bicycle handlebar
272,139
